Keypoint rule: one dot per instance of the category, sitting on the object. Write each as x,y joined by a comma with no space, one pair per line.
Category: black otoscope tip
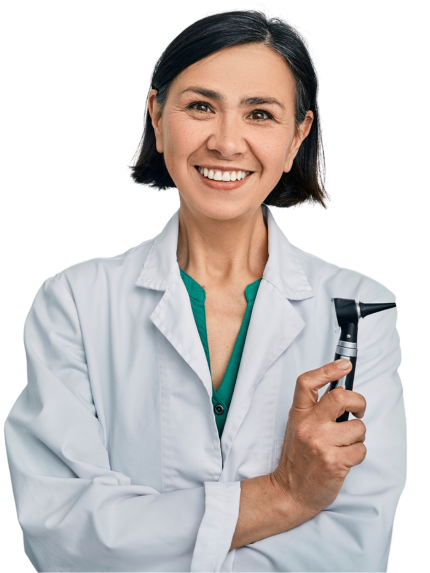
371,308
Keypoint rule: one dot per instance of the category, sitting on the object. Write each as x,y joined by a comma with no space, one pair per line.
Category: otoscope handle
347,381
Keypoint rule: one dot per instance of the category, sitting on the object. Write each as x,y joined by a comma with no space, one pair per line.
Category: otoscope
346,314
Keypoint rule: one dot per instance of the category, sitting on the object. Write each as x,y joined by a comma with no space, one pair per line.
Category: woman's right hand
318,452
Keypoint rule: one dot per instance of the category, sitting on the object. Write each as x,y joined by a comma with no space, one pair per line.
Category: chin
221,208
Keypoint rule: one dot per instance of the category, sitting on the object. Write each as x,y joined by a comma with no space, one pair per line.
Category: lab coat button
219,409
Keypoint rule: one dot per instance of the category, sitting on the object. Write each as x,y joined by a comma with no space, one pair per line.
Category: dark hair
305,180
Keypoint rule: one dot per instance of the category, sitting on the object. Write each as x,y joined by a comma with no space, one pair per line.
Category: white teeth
223,175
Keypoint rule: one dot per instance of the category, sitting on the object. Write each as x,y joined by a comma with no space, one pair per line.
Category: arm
265,510
76,512
353,533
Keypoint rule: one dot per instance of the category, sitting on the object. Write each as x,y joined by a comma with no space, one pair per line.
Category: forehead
251,69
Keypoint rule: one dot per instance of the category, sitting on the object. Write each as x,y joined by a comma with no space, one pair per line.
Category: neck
217,251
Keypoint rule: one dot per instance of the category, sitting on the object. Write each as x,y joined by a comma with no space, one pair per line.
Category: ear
299,136
155,113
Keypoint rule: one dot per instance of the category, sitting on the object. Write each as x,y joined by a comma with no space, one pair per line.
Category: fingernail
342,363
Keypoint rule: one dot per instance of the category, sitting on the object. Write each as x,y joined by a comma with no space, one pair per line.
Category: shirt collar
282,270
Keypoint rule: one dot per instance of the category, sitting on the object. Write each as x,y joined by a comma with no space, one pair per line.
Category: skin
222,237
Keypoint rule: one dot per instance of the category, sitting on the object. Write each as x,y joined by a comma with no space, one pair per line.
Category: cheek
274,150
271,150
182,142
184,137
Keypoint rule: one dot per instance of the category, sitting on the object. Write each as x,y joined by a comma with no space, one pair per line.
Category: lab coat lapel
173,315
273,327
274,322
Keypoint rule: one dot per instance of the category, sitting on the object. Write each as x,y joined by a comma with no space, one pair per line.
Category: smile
223,180
222,175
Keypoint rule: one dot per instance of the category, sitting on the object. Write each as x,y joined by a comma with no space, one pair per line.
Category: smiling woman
173,414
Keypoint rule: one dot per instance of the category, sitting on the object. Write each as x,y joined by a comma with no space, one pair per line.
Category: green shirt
222,398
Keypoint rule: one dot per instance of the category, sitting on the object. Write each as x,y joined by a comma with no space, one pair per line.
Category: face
227,130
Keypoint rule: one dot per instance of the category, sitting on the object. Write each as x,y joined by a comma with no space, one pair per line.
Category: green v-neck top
222,397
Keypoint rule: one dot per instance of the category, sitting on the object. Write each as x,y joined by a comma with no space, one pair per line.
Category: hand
318,452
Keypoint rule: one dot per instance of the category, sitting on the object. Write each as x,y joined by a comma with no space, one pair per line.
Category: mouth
222,176
222,185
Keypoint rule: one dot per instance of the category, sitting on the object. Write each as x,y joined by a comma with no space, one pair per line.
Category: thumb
308,384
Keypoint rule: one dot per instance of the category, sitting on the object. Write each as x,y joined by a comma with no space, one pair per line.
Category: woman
171,420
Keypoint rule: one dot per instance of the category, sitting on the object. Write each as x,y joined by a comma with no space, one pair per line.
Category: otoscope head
347,313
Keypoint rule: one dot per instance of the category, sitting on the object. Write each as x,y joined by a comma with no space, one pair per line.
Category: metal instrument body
347,382
347,313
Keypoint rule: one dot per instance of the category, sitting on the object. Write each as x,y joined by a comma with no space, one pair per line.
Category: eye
260,111
203,104
198,104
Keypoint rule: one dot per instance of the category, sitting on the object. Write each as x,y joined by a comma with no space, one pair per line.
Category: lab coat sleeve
354,532
76,512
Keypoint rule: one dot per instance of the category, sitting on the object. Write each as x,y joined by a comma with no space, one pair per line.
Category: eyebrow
255,100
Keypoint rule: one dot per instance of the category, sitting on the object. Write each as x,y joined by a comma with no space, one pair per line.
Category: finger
354,454
358,411
308,384
338,401
348,433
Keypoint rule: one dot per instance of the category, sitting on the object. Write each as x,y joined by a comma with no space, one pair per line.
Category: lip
221,185
223,168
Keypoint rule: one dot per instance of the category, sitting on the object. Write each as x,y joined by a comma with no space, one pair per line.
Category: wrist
290,511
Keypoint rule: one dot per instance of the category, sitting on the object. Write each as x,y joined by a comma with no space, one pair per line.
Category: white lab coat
113,448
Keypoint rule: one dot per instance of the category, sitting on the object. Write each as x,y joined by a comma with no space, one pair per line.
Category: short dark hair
305,180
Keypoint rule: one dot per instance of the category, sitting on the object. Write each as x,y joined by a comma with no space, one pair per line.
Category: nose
227,137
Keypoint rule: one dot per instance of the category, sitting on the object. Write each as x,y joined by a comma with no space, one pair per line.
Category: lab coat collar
282,270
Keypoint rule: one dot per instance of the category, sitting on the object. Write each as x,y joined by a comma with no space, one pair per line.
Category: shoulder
328,278
94,275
